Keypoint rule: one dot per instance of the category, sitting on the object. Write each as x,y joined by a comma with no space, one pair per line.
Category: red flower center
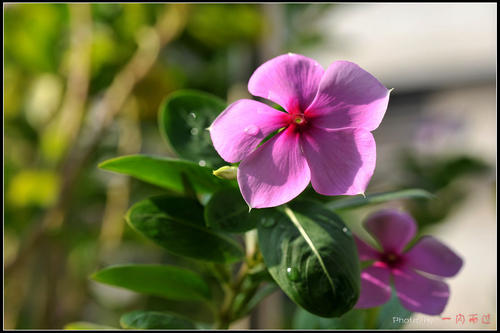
391,259
298,121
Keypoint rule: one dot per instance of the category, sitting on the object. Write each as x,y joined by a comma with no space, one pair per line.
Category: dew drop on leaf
346,231
292,274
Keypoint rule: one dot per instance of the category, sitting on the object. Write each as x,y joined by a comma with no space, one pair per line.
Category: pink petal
432,256
365,251
349,96
391,228
375,287
290,80
341,161
239,129
420,294
275,173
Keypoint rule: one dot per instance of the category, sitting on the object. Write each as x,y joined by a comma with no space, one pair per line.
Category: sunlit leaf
378,198
166,172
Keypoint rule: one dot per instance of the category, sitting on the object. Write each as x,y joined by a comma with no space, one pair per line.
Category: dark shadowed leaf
228,211
161,280
183,119
311,255
153,320
177,225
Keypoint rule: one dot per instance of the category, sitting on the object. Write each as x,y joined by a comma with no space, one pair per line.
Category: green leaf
378,198
177,225
166,172
183,119
160,280
259,296
390,311
228,211
84,325
353,319
391,315
153,320
312,257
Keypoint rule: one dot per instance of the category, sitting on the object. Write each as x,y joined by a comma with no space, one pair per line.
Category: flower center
391,259
299,119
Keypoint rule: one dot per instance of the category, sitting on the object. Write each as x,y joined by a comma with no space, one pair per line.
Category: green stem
233,287
371,318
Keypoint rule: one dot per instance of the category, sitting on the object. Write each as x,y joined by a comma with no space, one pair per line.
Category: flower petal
349,96
275,173
341,161
391,228
239,129
375,287
290,80
420,294
365,251
432,256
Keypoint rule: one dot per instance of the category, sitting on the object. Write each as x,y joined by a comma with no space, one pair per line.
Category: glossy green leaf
228,211
160,280
312,256
85,325
167,221
166,172
184,118
154,320
378,198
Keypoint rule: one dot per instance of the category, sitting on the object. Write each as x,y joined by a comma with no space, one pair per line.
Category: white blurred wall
413,45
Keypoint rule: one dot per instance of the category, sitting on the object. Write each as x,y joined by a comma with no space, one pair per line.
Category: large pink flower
323,137
417,292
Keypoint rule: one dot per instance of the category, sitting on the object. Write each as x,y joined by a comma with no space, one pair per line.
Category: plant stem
371,318
234,287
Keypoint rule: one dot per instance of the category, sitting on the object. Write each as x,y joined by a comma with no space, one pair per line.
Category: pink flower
324,135
417,292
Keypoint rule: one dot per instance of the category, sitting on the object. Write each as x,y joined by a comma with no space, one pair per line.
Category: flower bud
226,172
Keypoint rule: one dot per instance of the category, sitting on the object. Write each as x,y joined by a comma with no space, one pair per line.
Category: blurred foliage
217,48
443,176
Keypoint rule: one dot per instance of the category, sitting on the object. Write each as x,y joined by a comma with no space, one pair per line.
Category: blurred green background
83,83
